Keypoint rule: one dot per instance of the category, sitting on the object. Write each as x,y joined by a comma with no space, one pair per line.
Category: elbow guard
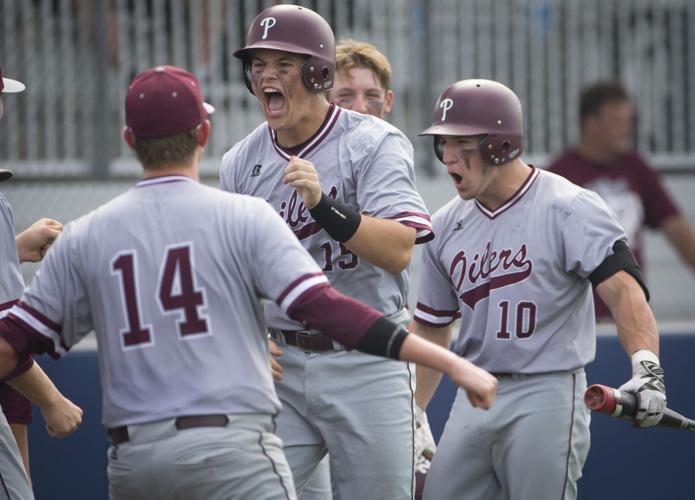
620,260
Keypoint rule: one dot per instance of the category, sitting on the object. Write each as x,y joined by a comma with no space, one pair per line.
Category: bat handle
611,401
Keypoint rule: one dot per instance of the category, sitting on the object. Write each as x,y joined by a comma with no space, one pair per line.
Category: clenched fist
34,241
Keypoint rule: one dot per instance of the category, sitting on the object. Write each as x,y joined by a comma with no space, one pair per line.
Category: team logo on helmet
446,105
267,23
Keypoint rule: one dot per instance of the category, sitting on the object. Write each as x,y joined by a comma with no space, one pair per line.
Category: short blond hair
350,54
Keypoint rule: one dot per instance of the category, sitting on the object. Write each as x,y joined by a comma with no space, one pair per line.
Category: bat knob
600,398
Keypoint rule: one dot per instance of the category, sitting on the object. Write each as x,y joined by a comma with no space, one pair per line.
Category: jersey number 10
173,296
525,320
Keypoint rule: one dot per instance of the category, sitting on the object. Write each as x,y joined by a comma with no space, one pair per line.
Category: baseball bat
623,404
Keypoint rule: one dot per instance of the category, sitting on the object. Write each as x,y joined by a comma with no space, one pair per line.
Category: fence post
421,81
102,149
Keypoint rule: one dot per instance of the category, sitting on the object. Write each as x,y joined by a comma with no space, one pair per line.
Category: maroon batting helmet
480,107
298,30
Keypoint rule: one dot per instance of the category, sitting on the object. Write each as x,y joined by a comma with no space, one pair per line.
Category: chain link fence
77,58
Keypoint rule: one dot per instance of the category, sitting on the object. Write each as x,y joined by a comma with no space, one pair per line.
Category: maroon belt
119,435
315,342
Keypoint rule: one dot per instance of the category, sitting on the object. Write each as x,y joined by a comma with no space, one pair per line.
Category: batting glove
647,383
424,441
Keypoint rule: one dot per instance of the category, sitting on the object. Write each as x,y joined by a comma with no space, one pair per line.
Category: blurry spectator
605,162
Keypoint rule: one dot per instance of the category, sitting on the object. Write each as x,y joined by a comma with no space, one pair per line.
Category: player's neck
506,182
309,122
595,153
190,170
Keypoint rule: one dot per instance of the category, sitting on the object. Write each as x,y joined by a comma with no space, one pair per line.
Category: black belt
304,340
119,435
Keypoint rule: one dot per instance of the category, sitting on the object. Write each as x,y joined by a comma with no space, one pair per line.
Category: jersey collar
163,180
302,150
515,197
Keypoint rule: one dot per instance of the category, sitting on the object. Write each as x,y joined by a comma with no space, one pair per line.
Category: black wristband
384,338
339,221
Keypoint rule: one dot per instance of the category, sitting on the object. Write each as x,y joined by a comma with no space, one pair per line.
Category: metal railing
78,56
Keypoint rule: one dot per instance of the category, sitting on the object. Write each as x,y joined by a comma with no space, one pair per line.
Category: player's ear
128,137
204,130
388,102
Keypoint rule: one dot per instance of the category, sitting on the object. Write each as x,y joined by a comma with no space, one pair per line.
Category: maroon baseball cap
164,101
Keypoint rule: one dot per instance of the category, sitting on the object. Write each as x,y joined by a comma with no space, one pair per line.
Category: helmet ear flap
246,70
438,148
317,74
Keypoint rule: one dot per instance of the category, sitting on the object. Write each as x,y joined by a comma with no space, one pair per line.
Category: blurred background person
362,79
604,161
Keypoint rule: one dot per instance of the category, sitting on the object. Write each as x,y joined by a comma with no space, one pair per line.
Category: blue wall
624,462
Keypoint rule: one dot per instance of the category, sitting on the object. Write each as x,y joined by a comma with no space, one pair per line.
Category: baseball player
363,84
344,183
516,254
188,397
61,415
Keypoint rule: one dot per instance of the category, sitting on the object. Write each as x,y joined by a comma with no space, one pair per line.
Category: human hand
275,367
62,417
424,440
647,383
34,241
302,176
480,386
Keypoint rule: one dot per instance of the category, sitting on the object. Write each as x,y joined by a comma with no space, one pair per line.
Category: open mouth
274,101
456,177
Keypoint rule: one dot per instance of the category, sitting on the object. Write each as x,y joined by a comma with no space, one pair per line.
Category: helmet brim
246,53
453,129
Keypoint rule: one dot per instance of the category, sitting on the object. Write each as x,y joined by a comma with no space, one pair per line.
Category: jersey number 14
173,296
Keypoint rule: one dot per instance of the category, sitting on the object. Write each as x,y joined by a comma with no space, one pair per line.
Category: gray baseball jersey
11,282
517,276
166,338
12,476
363,162
357,407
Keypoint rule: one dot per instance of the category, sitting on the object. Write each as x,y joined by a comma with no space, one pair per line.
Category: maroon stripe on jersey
428,236
472,296
411,376
309,145
272,462
515,197
296,283
8,304
325,133
39,316
38,339
307,230
409,214
569,444
435,312
424,238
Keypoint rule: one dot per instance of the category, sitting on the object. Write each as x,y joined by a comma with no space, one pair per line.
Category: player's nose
449,154
360,105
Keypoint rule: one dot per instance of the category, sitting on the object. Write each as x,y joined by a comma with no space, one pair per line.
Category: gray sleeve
282,269
227,171
588,233
437,304
56,303
386,185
